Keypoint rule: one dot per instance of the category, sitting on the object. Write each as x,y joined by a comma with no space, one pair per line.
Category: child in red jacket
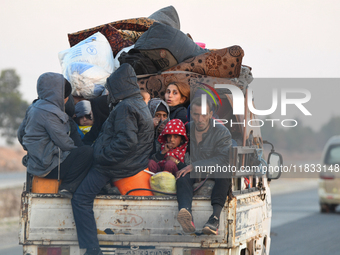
173,153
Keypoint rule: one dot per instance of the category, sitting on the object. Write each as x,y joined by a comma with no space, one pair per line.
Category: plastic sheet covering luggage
87,65
163,181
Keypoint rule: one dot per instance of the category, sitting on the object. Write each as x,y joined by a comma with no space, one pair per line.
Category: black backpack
140,63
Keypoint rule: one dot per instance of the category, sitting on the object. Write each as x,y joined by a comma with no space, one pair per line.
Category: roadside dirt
10,159
10,202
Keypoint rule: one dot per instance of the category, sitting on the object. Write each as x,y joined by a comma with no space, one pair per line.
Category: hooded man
44,134
160,113
121,150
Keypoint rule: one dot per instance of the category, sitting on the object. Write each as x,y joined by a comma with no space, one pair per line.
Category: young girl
173,152
177,96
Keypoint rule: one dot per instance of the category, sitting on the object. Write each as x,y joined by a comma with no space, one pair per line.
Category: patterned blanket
225,63
120,34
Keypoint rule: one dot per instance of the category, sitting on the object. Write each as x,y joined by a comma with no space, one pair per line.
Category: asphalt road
299,228
9,180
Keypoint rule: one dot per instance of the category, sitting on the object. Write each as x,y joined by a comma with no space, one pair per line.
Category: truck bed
47,219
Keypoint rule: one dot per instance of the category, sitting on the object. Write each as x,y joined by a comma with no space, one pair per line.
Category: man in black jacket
121,150
209,146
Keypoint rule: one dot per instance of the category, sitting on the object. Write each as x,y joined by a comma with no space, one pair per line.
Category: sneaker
65,193
184,218
211,227
93,252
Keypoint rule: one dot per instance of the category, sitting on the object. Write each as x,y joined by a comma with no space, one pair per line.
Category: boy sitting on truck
44,133
209,145
121,150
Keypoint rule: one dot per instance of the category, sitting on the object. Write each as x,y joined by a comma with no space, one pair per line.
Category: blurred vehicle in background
329,181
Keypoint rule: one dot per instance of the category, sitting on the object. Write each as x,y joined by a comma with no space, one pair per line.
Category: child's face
162,115
174,140
86,120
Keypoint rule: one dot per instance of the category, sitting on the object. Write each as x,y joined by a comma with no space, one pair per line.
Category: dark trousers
74,168
82,206
185,191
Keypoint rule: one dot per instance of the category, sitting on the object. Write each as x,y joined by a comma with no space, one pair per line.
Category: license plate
143,252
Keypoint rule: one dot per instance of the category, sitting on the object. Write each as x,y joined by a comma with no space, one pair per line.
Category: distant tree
12,105
331,128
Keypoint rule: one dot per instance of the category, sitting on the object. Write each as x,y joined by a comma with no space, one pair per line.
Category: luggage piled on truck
159,52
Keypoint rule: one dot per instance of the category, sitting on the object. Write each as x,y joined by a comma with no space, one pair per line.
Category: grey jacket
44,132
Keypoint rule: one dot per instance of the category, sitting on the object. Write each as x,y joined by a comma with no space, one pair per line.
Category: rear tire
327,208
332,208
324,208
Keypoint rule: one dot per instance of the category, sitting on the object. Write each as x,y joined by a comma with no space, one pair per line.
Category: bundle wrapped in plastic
87,80
163,181
87,65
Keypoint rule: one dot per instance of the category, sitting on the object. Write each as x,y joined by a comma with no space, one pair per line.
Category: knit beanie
82,108
162,107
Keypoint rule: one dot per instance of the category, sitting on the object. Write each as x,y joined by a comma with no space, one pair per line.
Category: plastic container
44,185
140,180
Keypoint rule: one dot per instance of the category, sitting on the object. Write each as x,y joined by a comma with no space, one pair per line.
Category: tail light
327,177
198,252
61,250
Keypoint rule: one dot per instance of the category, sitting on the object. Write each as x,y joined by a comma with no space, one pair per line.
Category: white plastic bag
87,65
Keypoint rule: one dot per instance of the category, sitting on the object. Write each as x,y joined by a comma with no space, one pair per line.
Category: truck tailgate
120,220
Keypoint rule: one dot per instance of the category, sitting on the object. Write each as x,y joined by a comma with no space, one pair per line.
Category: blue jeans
82,206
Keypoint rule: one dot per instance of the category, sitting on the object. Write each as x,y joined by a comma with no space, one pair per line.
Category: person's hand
171,158
161,127
167,147
156,121
184,171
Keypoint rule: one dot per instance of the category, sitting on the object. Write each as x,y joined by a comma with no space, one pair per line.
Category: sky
281,39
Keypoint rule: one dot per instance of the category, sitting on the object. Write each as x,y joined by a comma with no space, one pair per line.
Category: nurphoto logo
239,105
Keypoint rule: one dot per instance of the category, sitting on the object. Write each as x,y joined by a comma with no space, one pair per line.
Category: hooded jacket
124,144
168,16
181,153
44,132
153,105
